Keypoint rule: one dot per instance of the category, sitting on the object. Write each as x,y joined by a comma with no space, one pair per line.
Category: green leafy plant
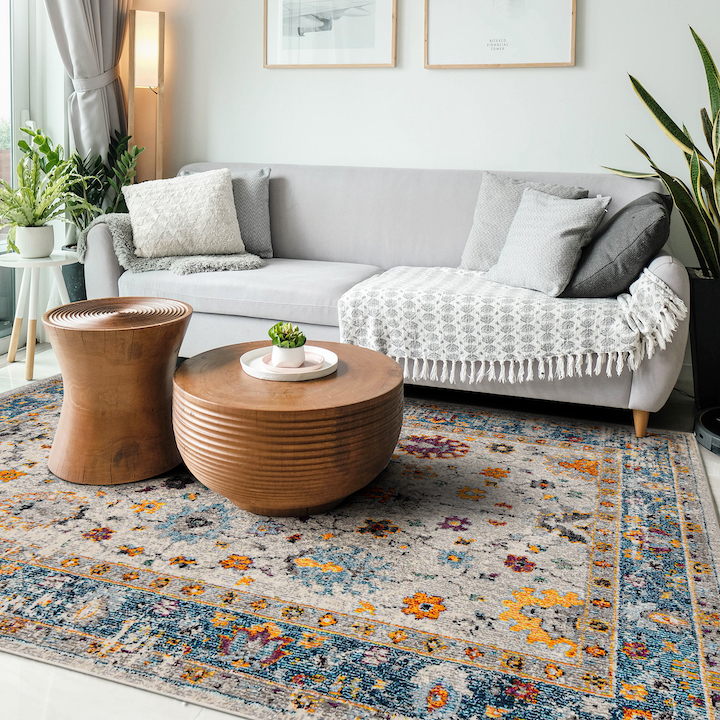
5,134
283,334
44,187
698,204
101,182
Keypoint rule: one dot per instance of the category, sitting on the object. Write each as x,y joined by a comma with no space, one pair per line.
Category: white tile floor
32,690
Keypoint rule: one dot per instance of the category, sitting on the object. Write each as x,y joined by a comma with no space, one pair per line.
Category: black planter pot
705,339
74,277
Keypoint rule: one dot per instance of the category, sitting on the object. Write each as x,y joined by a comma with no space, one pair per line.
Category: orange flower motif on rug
423,606
236,562
8,475
437,698
497,473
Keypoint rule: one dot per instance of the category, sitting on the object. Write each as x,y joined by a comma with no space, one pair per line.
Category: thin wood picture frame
329,33
519,33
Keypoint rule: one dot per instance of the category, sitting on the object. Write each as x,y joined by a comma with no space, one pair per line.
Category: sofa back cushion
392,216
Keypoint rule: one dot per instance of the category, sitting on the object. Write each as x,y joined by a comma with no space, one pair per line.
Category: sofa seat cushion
301,291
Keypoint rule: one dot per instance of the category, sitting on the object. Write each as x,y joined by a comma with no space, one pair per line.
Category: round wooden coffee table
287,448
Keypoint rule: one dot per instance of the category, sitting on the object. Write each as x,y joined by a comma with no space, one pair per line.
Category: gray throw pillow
617,255
497,203
545,239
251,192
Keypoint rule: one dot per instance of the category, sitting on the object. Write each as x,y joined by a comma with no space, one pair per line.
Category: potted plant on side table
699,207
43,193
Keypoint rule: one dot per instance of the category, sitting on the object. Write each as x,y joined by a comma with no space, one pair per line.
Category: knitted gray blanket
121,232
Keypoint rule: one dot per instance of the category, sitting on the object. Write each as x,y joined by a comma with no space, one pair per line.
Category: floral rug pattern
502,566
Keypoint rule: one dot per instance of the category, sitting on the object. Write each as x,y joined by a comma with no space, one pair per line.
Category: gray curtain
89,35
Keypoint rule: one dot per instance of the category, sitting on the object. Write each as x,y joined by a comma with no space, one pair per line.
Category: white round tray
252,363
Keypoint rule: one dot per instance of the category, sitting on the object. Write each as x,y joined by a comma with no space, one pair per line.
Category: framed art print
330,33
499,33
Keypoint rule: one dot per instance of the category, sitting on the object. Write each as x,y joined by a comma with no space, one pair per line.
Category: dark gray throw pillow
251,192
617,255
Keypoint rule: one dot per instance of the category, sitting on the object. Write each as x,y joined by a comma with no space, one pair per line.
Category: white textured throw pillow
545,240
497,203
191,215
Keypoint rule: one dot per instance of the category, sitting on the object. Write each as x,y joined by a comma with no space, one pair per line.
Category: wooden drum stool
117,357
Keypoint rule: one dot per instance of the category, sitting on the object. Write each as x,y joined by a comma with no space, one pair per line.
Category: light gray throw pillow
497,203
251,192
191,215
545,240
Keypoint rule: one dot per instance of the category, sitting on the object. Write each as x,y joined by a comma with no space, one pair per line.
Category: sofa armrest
102,269
654,380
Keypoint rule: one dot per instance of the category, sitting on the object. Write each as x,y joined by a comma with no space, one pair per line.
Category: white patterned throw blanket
452,325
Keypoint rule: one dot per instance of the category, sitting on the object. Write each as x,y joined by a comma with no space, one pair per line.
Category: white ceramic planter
35,242
287,357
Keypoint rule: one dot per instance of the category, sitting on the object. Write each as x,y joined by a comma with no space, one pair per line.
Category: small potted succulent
288,345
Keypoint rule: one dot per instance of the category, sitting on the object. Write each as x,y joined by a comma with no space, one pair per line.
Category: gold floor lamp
146,69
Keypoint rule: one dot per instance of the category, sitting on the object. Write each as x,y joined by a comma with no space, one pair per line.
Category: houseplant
287,345
100,183
103,179
43,193
699,207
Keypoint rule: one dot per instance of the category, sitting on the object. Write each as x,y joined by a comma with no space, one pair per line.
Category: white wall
223,105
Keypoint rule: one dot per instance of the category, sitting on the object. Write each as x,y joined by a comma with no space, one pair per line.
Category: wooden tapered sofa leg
640,418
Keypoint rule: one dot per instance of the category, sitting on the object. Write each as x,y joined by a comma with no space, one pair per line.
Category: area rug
502,566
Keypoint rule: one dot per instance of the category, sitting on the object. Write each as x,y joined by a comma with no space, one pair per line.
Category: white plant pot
35,242
287,357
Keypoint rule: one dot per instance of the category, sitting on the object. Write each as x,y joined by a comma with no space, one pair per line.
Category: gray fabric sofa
333,227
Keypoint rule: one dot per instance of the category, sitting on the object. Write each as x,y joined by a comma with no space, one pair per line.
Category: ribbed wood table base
287,448
117,357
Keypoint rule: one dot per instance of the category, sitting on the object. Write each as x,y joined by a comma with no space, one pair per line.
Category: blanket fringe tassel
557,367
512,371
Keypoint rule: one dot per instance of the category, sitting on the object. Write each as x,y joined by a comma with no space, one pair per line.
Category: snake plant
698,204
283,334
44,187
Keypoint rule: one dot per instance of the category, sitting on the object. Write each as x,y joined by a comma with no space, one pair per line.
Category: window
14,105
7,286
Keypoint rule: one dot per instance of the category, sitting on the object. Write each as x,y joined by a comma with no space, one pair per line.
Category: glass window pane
7,286
5,94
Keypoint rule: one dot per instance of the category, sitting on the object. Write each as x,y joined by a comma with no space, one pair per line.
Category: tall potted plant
43,193
100,182
699,207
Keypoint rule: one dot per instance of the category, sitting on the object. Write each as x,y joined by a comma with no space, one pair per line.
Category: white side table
29,286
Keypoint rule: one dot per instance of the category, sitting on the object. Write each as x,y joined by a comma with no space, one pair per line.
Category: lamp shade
147,48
